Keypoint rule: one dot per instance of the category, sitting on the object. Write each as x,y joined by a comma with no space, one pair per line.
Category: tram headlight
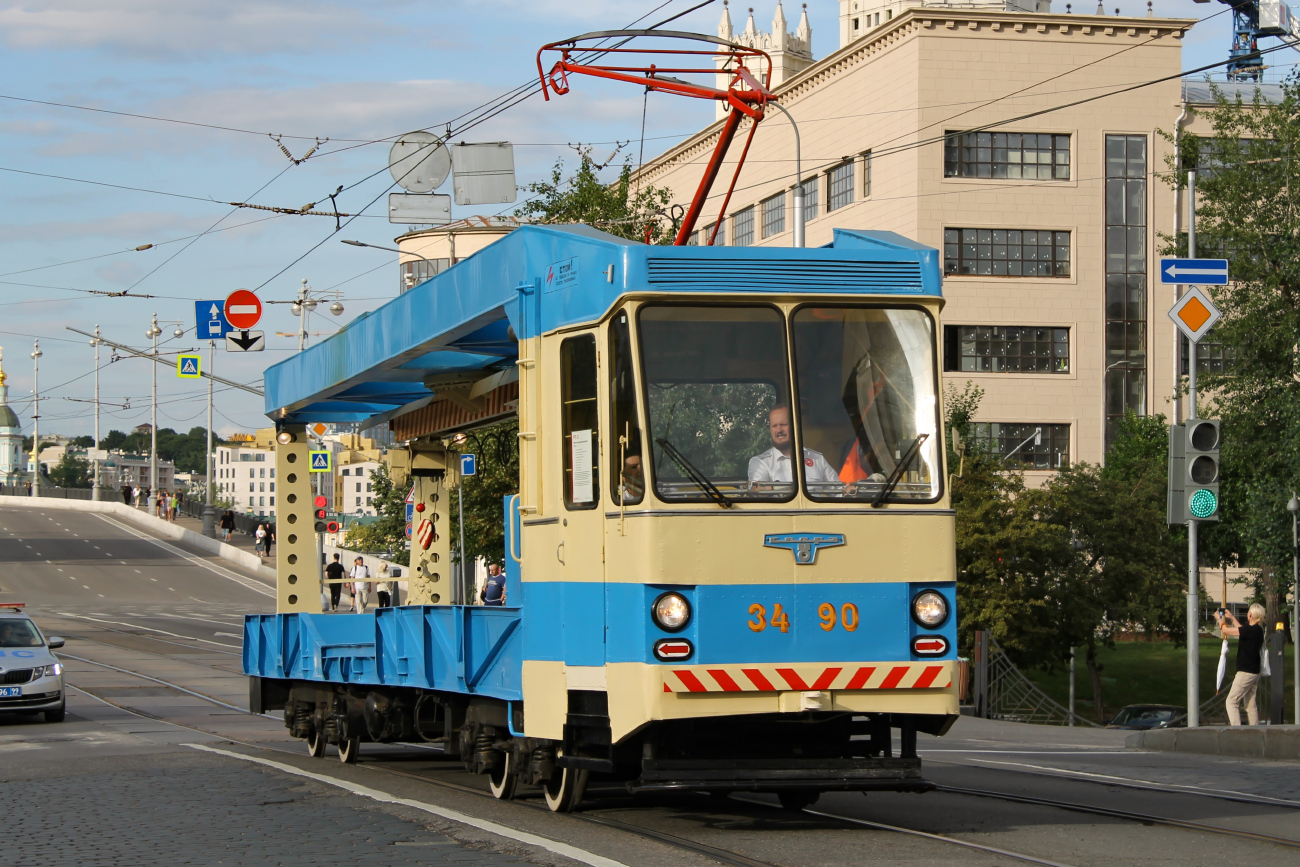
671,612
930,609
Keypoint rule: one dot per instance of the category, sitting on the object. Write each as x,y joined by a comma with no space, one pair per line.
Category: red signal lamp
331,526
321,502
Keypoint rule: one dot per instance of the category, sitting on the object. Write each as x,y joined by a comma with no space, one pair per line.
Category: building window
250,502
358,487
1027,446
272,499
260,457
839,184
1006,252
810,200
1211,357
774,215
742,228
1005,349
345,471
273,472
250,487
244,457
1011,155
261,501
261,473
358,501
866,175
370,501
1126,278
273,487
369,487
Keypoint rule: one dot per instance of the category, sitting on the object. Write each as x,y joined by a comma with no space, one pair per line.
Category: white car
31,677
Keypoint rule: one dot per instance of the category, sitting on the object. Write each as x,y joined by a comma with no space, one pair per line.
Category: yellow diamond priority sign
1194,314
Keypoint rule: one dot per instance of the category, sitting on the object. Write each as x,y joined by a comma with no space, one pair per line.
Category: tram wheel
503,780
316,744
348,749
797,799
563,791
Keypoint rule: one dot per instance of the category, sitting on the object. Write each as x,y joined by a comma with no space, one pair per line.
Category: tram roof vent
738,273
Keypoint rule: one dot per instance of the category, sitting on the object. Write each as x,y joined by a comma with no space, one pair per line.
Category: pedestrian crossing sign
187,366
321,462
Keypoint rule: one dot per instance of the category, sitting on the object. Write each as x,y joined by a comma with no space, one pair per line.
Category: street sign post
245,341
1203,272
410,510
187,366
1194,314
211,319
243,309
468,465
321,461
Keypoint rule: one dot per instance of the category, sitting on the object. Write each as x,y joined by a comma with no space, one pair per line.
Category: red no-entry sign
243,309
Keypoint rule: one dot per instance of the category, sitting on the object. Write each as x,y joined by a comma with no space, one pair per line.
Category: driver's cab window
717,399
578,414
627,468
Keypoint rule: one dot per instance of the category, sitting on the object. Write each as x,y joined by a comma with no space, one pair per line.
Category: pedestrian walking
259,540
1250,649
126,495
173,507
360,575
384,588
334,574
227,525
494,589
135,493
270,537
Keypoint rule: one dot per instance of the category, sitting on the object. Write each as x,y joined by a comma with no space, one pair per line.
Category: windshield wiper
897,474
692,472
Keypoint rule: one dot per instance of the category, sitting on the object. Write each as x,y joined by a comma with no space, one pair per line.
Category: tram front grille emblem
804,545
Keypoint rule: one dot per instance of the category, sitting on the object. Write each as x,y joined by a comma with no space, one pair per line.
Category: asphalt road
155,686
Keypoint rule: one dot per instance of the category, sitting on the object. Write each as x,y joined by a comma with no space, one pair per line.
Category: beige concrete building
1048,216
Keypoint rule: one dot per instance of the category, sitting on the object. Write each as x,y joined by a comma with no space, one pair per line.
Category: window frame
1068,246
743,217
848,186
1069,442
935,361
765,210
955,138
643,396
616,456
956,356
815,184
566,445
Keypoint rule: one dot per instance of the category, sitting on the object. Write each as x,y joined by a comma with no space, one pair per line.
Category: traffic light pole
1193,561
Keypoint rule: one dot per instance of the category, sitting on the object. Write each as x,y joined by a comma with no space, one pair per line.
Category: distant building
425,253
245,476
133,470
13,465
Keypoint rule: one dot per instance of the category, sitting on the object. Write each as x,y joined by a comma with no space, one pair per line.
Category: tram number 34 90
846,616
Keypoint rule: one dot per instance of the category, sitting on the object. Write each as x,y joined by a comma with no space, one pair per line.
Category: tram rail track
591,816
594,814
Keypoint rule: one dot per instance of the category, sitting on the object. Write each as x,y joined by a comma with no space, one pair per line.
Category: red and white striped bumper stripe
802,678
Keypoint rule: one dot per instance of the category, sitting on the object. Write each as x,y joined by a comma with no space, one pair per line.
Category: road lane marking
227,635
450,815
197,561
166,684
146,628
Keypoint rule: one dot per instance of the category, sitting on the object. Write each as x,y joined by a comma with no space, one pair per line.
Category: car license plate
10,691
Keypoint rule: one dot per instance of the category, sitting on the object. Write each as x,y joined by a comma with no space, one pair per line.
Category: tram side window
717,402
578,414
627,474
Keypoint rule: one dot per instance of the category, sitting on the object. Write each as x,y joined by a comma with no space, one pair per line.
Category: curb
1271,743
158,526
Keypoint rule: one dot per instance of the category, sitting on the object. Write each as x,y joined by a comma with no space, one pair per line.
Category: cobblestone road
186,808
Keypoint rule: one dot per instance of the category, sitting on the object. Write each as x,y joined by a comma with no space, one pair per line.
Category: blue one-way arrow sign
1202,272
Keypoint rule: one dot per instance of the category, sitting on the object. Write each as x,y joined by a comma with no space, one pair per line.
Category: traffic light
1201,468
320,518
331,526
1176,500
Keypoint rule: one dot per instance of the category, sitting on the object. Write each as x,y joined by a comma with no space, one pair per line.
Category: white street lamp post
94,491
152,505
36,419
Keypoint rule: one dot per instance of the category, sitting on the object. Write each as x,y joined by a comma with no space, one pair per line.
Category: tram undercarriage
794,755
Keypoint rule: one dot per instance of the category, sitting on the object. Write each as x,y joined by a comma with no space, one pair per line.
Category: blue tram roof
538,278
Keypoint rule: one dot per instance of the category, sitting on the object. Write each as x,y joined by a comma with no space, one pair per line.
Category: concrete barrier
1278,743
157,526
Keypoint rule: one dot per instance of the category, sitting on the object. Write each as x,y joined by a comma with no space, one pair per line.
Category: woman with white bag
1250,651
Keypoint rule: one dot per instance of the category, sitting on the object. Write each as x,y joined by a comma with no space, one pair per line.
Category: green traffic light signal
1203,503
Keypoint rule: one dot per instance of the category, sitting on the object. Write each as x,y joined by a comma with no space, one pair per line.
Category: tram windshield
716,383
868,408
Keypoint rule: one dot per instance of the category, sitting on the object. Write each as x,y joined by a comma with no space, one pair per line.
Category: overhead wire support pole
94,492
137,353
209,514
798,232
1193,560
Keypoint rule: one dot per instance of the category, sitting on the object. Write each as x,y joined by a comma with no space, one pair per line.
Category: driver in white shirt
773,465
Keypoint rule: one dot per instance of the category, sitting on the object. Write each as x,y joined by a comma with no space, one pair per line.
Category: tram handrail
512,536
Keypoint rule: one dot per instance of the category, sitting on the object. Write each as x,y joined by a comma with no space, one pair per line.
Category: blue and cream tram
730,559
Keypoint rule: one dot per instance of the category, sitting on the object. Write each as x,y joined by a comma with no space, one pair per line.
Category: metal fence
1001,690
57,493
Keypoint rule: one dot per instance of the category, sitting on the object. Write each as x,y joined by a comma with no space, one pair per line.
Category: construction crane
1252,19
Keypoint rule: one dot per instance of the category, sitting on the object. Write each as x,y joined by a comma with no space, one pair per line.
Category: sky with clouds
80,189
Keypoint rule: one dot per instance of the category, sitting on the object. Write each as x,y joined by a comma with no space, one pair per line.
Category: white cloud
162,28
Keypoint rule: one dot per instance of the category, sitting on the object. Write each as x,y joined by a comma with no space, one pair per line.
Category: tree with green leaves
1248,211
620,207
496,452
388,534
72,471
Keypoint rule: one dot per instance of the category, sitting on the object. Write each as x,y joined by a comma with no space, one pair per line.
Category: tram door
581,548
